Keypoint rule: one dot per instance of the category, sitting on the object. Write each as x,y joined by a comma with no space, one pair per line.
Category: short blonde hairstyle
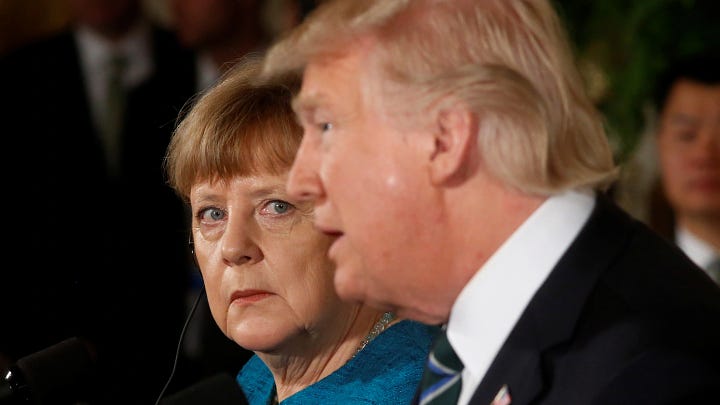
509,61
241,126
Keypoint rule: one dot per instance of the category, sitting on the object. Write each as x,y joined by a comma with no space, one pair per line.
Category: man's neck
706,228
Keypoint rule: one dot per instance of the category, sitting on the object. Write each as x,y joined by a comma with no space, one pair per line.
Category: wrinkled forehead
349,76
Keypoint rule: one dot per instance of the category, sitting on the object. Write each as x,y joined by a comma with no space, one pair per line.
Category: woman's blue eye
279,207
212,214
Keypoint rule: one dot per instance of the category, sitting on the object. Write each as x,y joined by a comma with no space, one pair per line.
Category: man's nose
304,182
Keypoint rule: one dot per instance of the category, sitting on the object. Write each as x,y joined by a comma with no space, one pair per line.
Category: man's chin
349,293
347,287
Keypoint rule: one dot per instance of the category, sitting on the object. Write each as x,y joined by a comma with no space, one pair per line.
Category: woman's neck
321,351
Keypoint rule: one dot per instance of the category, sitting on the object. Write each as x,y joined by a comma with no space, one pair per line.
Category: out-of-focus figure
219,31
688,146
672,181
87,114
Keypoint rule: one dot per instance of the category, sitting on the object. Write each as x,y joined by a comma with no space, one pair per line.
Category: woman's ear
455,136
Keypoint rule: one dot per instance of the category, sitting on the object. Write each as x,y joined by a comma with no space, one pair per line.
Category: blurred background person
685,205
265,268
220,32
672,180
88,112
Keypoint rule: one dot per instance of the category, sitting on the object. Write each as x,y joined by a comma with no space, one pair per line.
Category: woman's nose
239,245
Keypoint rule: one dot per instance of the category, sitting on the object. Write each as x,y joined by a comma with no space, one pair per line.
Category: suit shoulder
43,51
166,44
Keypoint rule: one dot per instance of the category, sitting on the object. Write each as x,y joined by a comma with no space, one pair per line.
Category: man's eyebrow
303,104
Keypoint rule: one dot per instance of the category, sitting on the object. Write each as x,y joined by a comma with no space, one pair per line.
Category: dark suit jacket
104,258
624,318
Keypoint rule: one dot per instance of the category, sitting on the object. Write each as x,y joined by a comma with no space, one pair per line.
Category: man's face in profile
369,182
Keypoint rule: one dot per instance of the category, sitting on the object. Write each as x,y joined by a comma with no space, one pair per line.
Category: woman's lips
248,296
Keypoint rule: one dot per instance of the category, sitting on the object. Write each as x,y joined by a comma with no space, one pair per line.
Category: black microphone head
60,374
220,389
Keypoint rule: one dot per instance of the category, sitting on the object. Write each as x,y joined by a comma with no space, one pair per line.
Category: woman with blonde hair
265,267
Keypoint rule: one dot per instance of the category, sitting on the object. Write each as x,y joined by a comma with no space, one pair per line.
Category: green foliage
628,44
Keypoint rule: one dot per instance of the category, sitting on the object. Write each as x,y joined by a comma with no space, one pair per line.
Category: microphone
220,389
58,375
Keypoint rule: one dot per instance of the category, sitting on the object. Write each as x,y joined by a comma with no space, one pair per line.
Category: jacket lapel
551,315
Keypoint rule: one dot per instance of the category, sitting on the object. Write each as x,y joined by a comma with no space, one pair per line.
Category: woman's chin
257,337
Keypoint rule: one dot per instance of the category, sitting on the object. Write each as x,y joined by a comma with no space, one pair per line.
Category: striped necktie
442,378
114,111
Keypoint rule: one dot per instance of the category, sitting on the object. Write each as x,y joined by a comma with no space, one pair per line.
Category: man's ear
455,142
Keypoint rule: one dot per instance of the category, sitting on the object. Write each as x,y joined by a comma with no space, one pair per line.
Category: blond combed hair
242,126
508,61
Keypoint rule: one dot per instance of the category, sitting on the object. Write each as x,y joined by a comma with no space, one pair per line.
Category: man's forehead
313,93
321,80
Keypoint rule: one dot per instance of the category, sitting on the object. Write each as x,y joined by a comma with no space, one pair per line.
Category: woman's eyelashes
210,214
273,215
277,208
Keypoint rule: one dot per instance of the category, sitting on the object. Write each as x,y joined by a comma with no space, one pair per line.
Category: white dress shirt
95,52
491,303
699,251
207,73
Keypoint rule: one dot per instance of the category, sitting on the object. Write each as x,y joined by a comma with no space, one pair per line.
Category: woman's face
268,280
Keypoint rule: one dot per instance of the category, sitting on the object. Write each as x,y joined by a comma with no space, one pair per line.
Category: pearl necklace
376,330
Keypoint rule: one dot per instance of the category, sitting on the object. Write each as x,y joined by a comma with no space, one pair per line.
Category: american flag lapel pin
502,397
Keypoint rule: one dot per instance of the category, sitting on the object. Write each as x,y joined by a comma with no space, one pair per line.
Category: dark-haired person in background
219,32
685,206
87,114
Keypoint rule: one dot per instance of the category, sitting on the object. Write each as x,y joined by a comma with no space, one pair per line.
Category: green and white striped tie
442,378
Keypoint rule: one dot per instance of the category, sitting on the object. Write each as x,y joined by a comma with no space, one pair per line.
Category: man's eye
685,136
326,126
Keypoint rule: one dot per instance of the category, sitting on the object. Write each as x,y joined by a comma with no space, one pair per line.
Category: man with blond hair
450,148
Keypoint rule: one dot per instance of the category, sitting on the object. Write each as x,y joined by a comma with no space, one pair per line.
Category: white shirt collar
96,50
207,72
491,303
699,251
